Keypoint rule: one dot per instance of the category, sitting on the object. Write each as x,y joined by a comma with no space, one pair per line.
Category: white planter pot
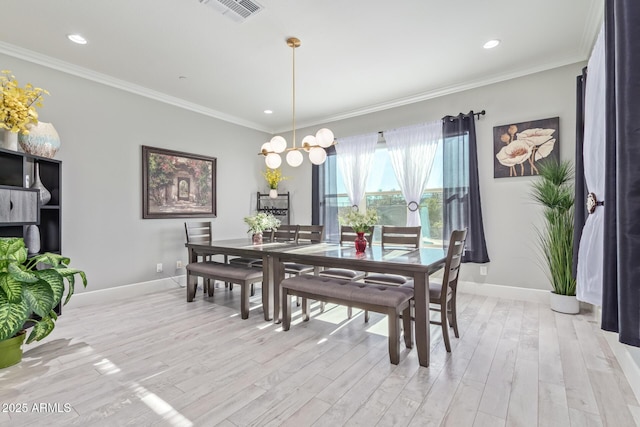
564,304
273,193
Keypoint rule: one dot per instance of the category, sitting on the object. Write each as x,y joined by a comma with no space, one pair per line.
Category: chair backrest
347,235
408,237
454,259
198,232
311,233
285,233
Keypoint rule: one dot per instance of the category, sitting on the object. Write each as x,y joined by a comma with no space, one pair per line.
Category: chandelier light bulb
273,160
266,148
317,155
278,144
324,137
310,141
294,158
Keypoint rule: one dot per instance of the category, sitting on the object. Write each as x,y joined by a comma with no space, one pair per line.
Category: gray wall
102,129
509,215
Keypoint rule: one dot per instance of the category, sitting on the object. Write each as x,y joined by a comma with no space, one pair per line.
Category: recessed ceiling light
268,111
77,38
491,44
182,77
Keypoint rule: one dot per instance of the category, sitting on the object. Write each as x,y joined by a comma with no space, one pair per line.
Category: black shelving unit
17,170
278,206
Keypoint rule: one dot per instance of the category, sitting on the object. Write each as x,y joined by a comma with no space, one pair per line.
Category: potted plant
29,295
555,239
361,222
17,108
260,222
273,178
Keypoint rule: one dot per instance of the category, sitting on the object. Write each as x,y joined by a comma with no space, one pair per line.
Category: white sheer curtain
590,254
355,159
412,150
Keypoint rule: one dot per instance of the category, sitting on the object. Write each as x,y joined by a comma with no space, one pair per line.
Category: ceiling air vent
237,10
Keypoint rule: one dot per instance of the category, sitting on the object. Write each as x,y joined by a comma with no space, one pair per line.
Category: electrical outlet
178,264
159,267
483,270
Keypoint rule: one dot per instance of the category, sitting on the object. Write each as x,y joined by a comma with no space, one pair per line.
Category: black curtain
621,287
580,212
461,188
324,198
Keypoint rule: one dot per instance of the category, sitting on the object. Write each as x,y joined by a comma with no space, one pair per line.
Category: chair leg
286,310
394,337
407,325
210,287
454,314
305,310
244,301
253,290
366,316
322,303
445,327
349,312
297,301
192,286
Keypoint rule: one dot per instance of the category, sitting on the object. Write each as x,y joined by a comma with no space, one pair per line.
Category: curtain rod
451,118
481,113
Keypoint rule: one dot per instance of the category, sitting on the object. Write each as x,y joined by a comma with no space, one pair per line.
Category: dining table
417,264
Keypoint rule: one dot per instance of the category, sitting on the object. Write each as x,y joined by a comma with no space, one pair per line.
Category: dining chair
306,233
400,238
284,233
347,237
442,294
200,232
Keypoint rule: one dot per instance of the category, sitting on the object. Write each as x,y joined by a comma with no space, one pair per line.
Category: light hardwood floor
155,360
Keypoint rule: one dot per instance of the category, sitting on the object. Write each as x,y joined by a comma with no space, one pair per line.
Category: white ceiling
357,56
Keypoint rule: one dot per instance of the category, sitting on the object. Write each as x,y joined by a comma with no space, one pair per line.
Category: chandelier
314,145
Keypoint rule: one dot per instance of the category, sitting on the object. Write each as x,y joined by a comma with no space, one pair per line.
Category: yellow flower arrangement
18,104
273,177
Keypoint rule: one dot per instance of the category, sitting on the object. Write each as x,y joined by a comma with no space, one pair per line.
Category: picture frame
520,148
176,184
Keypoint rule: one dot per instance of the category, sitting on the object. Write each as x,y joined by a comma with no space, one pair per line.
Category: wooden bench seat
390,300
243,276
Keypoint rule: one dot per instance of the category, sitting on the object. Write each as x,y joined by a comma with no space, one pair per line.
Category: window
382,193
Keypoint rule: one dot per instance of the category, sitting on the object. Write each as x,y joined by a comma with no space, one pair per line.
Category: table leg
267,283
278,276
421,296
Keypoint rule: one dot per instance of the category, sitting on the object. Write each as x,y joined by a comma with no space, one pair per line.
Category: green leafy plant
28,294
260,222
359,221
556,194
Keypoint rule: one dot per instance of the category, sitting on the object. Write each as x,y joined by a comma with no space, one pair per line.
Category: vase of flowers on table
361,222
17,109
273,178
260,222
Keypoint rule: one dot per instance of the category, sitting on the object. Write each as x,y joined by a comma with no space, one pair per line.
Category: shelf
55,207
278,207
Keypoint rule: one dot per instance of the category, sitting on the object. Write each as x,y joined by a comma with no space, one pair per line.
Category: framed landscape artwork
520,148
177,184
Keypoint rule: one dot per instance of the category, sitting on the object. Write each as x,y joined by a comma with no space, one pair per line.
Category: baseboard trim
119,293
508,292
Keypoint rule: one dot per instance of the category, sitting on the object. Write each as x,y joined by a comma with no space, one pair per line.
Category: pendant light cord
294,94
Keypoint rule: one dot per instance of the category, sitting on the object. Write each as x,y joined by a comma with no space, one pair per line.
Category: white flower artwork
519,148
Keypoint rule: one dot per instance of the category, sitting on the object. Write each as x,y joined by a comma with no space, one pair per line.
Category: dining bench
241,275
390,300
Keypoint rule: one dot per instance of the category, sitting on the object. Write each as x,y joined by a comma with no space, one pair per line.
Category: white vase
43,140
273,193
9,140
564,303
32,239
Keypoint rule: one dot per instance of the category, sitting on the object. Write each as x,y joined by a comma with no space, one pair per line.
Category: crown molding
424,96
85,73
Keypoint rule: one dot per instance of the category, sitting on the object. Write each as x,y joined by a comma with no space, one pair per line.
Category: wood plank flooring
155,360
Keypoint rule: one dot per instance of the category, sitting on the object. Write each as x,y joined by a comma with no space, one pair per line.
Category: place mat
395,254
313,248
